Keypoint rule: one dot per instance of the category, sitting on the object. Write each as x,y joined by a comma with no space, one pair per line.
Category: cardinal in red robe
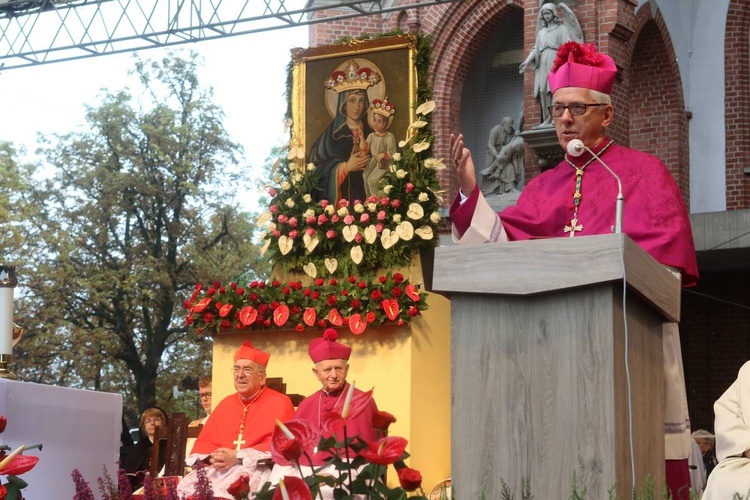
578,197
235,440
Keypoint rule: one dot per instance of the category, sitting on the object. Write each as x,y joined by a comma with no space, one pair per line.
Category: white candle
6,320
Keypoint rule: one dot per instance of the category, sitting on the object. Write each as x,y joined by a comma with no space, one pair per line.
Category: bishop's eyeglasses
576,109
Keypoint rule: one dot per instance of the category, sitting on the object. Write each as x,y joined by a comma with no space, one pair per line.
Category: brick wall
715,341
736,107
656,114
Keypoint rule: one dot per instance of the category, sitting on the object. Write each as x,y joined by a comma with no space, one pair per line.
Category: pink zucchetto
580,65
326,347
247,351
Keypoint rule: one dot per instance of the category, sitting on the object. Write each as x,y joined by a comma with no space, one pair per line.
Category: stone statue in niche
504,171
555,26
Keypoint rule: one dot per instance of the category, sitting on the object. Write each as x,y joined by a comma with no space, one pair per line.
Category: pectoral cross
573,227
239,441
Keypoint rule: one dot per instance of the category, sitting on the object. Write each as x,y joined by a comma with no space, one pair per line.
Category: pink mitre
580,65
326,347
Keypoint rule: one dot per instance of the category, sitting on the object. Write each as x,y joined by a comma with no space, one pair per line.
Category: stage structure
35,32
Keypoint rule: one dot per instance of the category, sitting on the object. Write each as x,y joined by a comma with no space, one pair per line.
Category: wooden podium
539,379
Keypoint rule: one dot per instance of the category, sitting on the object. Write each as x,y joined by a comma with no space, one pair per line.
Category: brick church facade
682,94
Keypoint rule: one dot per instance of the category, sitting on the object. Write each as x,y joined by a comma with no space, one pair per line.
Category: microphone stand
575,148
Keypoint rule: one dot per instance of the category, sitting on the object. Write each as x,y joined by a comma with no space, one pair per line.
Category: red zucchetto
326,347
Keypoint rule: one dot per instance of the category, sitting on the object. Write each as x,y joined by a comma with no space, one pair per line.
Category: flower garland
262,305
356,236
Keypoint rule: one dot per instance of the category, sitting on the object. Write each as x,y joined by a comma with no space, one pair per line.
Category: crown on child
384,107
354,78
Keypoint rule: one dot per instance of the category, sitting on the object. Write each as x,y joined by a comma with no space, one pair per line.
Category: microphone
576,147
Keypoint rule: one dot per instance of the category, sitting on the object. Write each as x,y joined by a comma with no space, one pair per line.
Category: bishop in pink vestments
577,197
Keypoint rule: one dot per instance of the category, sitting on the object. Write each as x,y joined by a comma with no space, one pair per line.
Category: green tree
139,208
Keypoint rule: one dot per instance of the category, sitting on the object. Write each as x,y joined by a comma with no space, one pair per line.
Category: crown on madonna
383,107
354,78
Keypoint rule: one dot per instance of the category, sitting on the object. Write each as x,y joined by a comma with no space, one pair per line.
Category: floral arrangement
352,302
13,465
153,488
358,464
356,236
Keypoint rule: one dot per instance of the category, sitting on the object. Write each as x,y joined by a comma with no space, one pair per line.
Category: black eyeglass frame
581,108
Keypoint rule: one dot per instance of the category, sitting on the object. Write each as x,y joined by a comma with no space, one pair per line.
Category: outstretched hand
463,164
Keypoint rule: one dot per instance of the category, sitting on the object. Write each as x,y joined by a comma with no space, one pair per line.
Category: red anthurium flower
334,317
295,489
410,479
286,449
241,487
391,308
333,421
3,491
309,316
384,451
356,324
225,309
412,293
281,315
19,464
201,305
248,315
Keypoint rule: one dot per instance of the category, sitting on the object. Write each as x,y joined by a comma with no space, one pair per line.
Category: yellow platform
408,367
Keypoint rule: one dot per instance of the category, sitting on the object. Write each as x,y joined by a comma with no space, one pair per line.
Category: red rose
413,311
331,300
316,295
208,318
300,328
241,487
253,297
344,293
370,316
410,479
398,278
333,282
319,282
352,279
376,295
362,285
396,292
240,291
381,420
225,324
383,279
233,286
356,304
286,290
189,320
276,283
306,292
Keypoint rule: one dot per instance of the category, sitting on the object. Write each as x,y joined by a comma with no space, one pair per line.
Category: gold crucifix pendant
573,227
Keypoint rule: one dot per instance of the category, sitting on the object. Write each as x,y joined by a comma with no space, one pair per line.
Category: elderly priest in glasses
563,202
235,441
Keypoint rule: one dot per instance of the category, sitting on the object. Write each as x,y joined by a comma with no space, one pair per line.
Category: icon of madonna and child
356,149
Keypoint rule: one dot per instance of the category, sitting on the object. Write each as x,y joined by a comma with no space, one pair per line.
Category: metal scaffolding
34,32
